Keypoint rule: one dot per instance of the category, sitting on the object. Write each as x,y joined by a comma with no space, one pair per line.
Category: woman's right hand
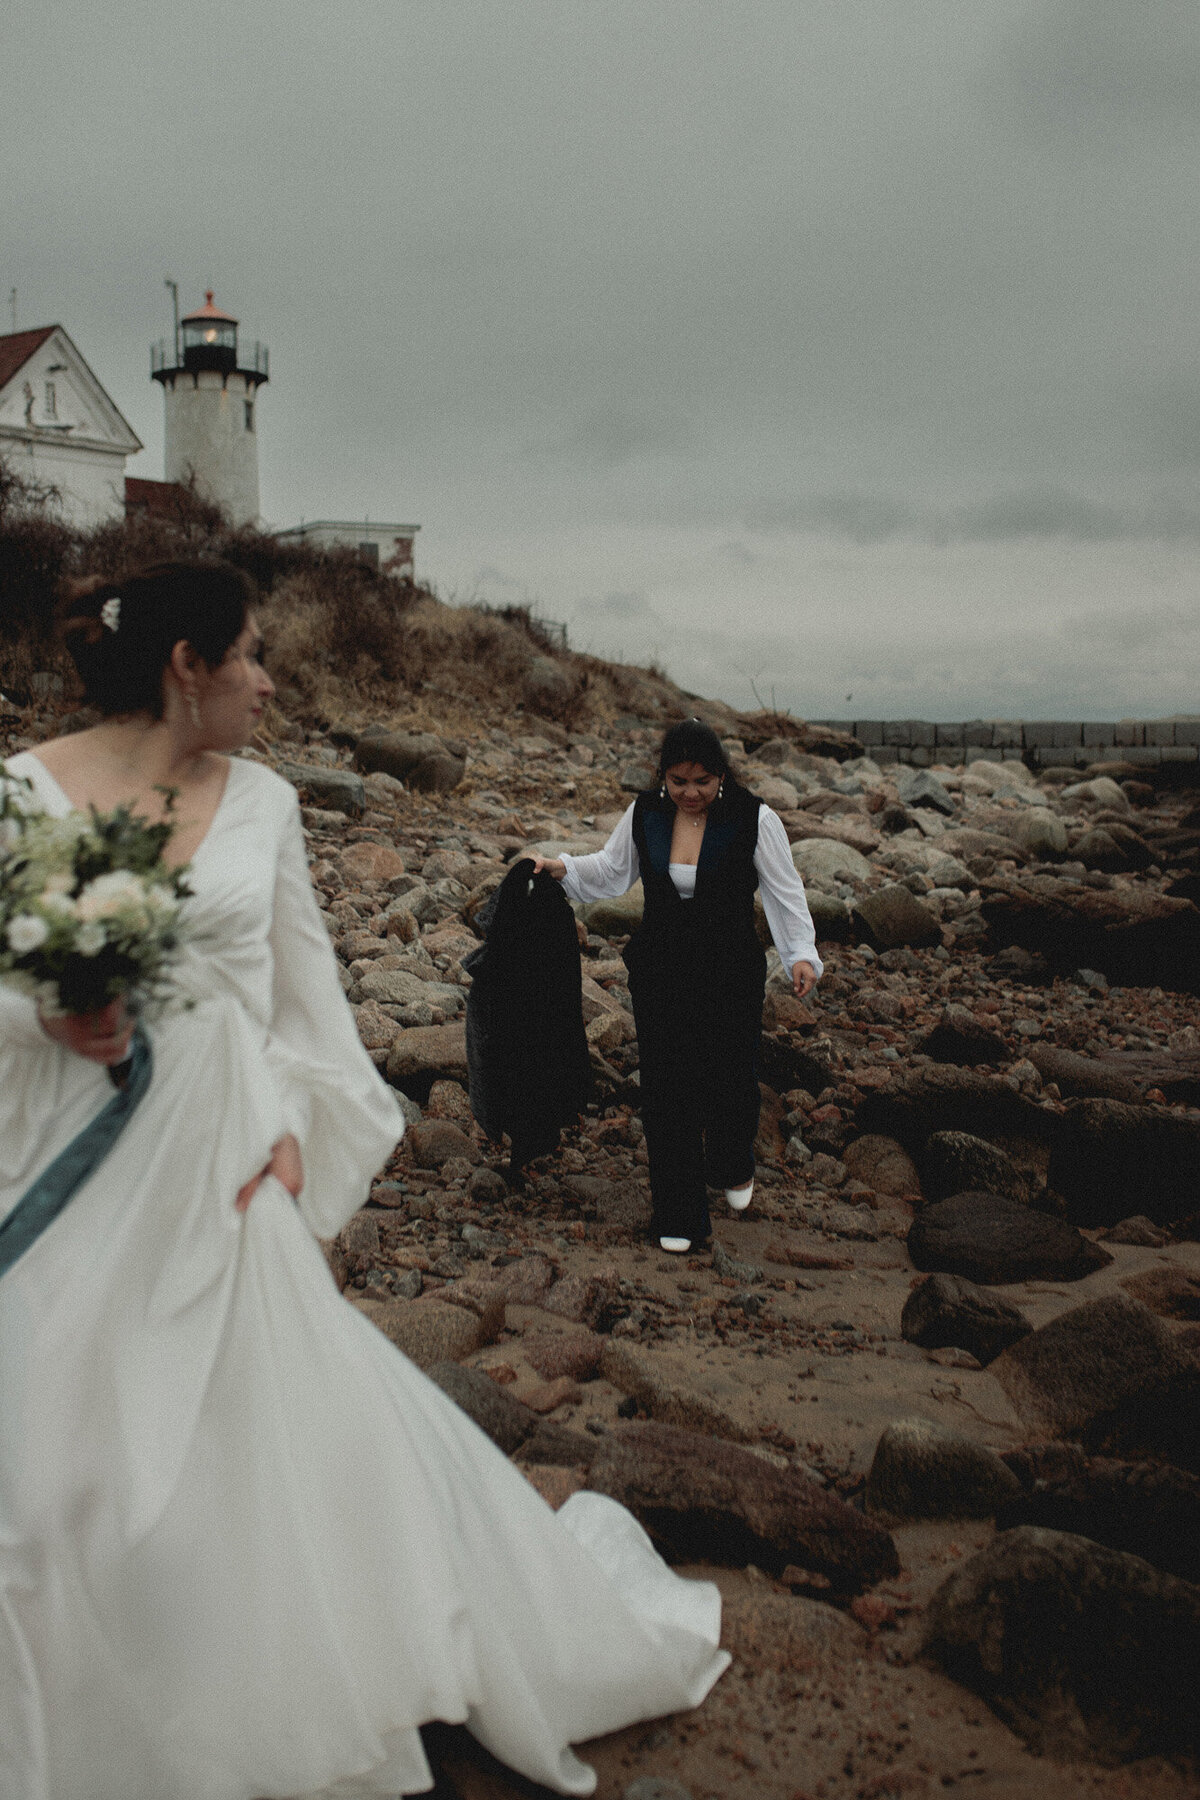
550,865
101,1037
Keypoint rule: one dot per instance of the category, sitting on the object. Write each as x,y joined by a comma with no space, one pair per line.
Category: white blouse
614,870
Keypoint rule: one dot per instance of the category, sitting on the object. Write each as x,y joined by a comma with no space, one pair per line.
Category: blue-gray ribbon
41,1204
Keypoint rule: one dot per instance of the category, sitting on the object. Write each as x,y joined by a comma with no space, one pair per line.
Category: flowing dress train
246,1547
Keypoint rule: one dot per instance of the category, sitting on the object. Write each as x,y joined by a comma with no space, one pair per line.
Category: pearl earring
662,792
720,787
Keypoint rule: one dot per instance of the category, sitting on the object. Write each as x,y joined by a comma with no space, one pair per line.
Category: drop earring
194,709
662,792
720,787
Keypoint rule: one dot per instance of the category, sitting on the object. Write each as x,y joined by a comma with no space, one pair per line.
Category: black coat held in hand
696,977
527,1055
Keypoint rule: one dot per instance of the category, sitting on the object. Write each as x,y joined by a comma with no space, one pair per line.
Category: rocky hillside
928,1413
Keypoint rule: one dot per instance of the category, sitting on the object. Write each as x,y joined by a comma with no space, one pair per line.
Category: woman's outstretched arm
604,874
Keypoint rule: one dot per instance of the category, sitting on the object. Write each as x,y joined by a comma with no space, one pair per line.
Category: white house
59,427
388,548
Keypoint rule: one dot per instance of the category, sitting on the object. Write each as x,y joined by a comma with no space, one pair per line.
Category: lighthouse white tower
210,389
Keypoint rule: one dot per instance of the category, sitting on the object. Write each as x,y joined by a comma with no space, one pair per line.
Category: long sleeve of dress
783,896
608,872
344,1117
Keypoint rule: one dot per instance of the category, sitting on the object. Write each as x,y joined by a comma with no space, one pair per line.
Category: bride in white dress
246,1548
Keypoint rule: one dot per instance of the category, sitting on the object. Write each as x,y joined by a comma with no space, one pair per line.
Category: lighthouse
210,390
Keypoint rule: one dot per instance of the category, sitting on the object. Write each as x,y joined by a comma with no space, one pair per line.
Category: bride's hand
101,1037
285,1165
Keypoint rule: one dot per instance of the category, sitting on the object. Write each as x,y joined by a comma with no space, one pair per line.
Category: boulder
548,688
1039,832
1101,790
831,917
1112,848
846,828
395,753
1171,1293
776,793
1122,1074
956,1162
917,787
786,1063
575,1354
437,774
777,1632
922,1470
617,917
427,1331
822,859
1111,1375
1133,934
892,917
434,1141
1148,1509
949,1312
1076,1076
958,1037
369,862
1084,1651
882,1164
918,1102
636,1373
425,1054
705,1500
996,1241
1110,1160
505,1420
592,1300
400,987
339,789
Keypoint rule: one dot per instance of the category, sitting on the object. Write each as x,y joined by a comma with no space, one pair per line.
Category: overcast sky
815,348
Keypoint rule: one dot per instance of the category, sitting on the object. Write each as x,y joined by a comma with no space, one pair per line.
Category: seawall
1042,743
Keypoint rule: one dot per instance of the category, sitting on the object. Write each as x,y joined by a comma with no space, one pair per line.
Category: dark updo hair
691,741
121,633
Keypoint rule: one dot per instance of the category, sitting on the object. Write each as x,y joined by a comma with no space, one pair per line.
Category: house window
51,401
249,407
369,554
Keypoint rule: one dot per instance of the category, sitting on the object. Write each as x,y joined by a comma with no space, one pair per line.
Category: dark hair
121,633
691,741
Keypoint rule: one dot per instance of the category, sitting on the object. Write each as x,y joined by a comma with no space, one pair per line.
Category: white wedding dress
246,1548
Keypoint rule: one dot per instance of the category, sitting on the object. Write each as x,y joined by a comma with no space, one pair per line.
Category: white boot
677,1246
739,1198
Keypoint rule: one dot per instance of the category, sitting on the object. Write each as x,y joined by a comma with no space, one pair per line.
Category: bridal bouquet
89,911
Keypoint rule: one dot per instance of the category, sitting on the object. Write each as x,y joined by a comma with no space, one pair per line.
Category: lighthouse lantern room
210,386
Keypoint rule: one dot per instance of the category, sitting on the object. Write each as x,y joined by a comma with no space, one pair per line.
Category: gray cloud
894,298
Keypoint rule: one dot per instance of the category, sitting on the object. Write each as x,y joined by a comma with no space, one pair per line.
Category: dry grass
344,641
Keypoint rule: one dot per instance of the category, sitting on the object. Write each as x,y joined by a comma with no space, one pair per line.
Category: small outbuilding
388,548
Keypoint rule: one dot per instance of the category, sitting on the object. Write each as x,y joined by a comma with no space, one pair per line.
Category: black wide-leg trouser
698,1038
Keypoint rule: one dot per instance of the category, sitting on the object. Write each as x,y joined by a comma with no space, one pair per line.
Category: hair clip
110,612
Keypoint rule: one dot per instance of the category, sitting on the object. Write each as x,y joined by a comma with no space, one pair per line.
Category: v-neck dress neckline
234,762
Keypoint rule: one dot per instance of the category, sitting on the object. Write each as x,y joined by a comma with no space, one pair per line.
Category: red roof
158,498
209,311
17,348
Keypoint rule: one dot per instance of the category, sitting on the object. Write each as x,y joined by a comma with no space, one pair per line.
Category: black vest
722,912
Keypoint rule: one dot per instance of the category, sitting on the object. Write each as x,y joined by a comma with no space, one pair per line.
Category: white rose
25,933
58,903
90,939
61,883
109,893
